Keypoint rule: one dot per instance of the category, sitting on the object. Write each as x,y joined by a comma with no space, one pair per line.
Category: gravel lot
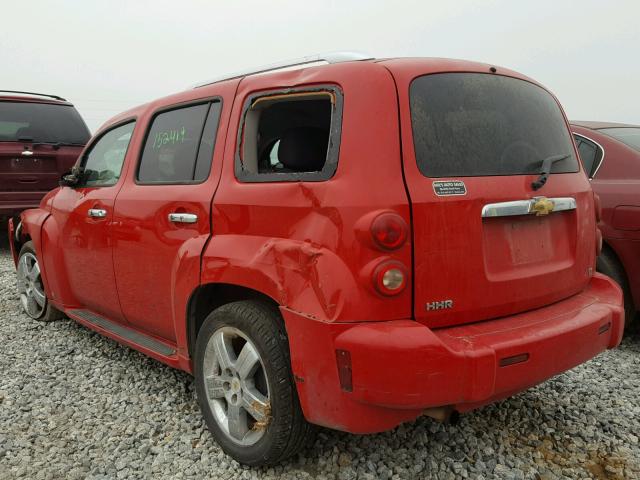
76,405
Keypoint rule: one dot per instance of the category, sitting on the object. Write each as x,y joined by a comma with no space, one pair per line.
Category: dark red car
611,156
345,242
41,137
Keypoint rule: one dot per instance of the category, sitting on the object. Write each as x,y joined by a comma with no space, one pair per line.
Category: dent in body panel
297,274
296,242
297,271
185,278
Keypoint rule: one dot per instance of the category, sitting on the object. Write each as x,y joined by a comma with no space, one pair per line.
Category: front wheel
244,384
31,289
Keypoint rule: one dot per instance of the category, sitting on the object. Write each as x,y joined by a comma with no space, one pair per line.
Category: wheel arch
624,254
30,229
610,251
207,297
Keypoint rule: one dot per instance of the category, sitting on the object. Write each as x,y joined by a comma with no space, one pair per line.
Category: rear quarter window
590,153
474,124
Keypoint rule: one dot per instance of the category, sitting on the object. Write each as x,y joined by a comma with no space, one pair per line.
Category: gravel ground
76,405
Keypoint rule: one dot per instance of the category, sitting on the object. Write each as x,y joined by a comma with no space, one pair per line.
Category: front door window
103,164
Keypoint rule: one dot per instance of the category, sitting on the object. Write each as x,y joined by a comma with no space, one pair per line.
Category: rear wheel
608,264
31,289
245,387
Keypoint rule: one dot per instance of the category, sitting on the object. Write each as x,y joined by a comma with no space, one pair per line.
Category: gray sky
108,56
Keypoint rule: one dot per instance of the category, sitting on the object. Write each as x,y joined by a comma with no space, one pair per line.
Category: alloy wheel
30,286
236,386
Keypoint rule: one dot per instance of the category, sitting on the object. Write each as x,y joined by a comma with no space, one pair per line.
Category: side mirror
71,178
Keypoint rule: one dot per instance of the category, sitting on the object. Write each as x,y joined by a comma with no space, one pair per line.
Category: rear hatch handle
538,206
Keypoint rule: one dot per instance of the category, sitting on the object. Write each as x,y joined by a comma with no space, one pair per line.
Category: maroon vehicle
41,137
610,153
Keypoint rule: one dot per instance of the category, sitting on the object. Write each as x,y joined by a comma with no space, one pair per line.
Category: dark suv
41,137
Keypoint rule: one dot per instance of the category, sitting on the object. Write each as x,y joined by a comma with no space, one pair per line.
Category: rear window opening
475,124
289,136
41,122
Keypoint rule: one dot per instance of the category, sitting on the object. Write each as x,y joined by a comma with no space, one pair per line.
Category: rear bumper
399,368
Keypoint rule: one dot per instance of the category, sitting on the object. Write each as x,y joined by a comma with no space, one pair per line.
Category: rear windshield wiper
55,145
545,170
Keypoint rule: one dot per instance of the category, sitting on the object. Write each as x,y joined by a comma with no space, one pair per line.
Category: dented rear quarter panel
298,242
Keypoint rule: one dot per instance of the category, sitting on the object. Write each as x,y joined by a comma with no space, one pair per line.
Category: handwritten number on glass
169,137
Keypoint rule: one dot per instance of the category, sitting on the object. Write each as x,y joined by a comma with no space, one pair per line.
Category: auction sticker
444,188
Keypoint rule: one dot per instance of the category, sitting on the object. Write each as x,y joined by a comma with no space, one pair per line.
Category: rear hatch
38,142
473,143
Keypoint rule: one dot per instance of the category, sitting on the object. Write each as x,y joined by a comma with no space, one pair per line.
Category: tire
608,264
272,427
31,289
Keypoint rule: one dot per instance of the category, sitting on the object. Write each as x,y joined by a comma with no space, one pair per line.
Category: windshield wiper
55,145
545,170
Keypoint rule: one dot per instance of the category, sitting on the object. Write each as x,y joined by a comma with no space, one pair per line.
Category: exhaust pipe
446,414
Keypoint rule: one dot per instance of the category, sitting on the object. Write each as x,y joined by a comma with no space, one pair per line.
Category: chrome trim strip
562,204
506,209
525,207
330,57
599,146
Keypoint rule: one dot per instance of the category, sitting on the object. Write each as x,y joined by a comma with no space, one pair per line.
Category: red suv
343,242
41,137
611,156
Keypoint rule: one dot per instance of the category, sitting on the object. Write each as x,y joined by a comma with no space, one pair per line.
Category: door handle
183,217
97,213
529,207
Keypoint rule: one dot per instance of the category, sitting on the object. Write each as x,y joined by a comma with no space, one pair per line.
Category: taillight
598,207
389,231
390,277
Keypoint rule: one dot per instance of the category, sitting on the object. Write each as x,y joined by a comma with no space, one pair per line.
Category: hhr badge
444,304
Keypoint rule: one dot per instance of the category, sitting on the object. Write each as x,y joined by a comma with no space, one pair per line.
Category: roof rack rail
330,57
34,93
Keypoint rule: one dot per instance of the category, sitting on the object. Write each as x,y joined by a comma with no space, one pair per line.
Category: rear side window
41,122
590,154
292,136
179,145
474,124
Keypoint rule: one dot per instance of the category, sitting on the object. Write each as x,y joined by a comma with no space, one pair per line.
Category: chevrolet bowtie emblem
541,206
